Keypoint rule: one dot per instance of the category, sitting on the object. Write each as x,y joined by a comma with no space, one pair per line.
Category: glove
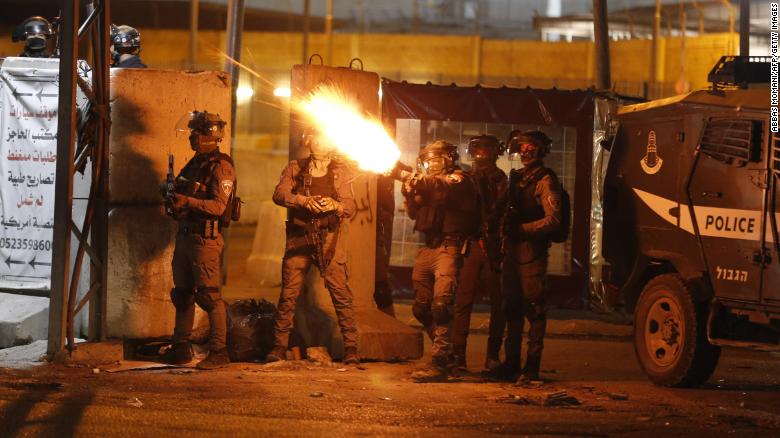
329,204
312,203
179,201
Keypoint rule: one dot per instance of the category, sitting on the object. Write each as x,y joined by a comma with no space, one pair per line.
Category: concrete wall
146,105
445,58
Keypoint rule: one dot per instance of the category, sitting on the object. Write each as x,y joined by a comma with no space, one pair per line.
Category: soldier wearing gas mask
317,191
35,32
445,207
201,203
532,210
125,47
482,265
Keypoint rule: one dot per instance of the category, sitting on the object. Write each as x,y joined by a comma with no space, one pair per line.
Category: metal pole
329,30
63,190
193,33
235,27
744,28
601,35
654,46
305,32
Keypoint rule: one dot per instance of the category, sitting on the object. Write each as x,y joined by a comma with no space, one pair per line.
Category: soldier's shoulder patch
454,178
227,186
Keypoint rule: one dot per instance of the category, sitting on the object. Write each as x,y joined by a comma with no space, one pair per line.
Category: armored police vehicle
691,214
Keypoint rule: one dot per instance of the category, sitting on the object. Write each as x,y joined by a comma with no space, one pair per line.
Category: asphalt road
302,399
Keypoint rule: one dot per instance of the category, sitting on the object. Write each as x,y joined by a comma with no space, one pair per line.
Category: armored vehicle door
771,287
728,191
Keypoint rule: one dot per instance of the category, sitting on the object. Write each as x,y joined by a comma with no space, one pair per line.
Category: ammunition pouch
209,229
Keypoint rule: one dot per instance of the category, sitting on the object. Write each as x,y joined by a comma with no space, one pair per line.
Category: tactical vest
307,185
194,179
523,204
454,215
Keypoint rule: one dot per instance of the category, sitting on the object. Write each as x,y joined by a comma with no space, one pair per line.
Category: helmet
536,138
33,26
438,156
125,39
485,147
205,129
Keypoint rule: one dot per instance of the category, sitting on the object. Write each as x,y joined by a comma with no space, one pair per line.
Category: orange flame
355,135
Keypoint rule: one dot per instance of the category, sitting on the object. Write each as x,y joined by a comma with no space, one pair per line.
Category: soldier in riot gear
482,265
444,205
125,47
204,192
35,32
317,191
532,210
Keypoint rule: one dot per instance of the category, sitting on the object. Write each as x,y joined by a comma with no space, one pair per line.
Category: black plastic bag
250,330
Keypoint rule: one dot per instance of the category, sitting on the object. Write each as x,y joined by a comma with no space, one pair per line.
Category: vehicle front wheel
670,334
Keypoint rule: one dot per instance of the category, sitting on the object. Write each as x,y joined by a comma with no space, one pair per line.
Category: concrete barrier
146,106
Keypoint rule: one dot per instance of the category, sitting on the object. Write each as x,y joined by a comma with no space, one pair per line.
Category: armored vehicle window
732,141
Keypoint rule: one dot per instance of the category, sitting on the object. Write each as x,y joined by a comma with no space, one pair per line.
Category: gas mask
36,43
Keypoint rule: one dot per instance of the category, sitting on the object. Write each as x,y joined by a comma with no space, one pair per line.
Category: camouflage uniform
481,268
207,182
301,251
445,210
533,210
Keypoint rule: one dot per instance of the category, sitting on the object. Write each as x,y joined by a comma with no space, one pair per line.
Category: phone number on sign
35,245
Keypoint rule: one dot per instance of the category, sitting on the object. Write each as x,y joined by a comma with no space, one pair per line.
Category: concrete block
381,337
146,106
141,242
264,263
92,353
23,319
258,173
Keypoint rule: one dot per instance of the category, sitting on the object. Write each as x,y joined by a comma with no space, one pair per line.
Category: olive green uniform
207,181
313,239
481,266
533,210
446,210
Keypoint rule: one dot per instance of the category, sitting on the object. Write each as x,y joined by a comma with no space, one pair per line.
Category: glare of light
244,93
380,92
355,135
282,92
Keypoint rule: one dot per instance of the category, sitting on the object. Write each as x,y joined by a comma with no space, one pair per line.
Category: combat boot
351,356
215,359
180,353
457,360
491,363
277,354
436,371
502,373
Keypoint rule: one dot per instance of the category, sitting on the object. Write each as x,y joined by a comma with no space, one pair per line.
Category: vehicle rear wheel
670,334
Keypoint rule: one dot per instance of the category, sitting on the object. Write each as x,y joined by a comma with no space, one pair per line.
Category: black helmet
125,39
485,142
33,26
537,138
438,149
203,123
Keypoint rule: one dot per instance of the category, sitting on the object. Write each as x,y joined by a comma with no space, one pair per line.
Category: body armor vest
523,205
194,179
450,215
307,185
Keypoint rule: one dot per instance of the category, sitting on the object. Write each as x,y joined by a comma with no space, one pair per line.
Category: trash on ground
319,355
135,402
316,394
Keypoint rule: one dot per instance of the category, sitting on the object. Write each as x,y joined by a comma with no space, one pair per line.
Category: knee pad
441,313
422,311
182,298
383,295
207,297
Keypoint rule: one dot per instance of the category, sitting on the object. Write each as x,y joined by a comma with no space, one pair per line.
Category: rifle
170,188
